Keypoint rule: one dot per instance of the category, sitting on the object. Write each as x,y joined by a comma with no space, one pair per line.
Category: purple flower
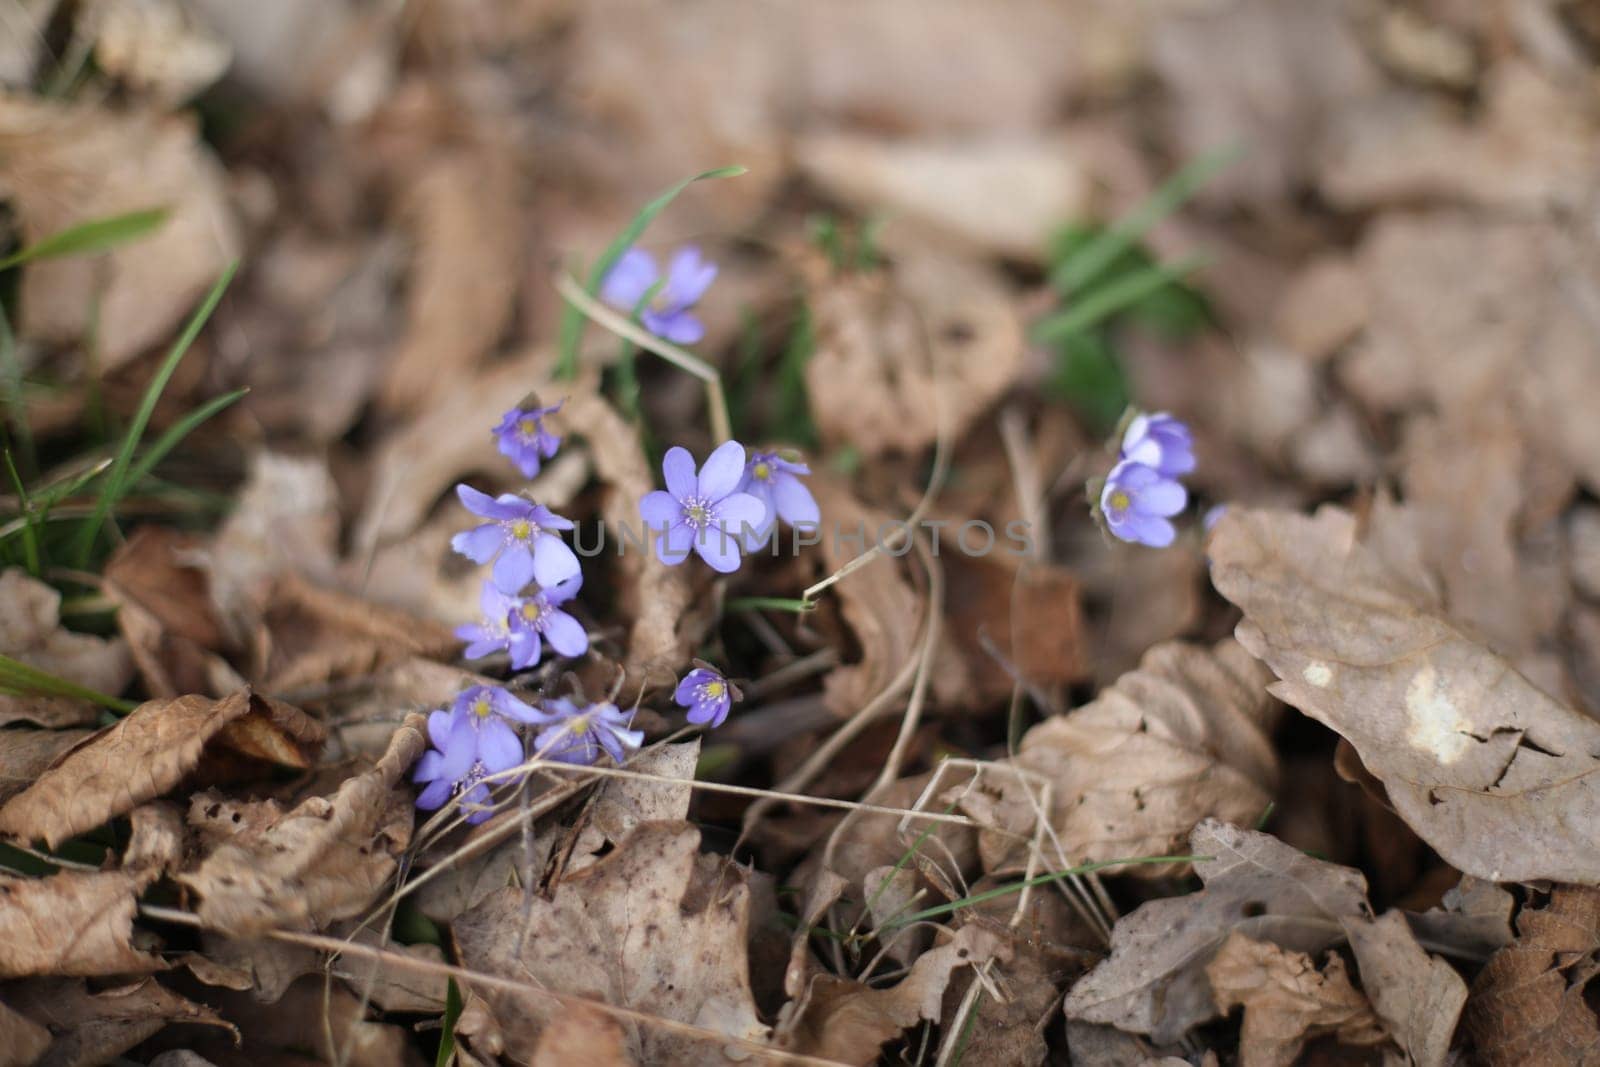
774,481
577,736
707,694
494,632
485,709
1137,502
538,617
1161,442
524,440
667,313
703,511
518,533
457,766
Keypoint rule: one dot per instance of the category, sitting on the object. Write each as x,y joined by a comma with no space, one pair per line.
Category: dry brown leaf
1474,923
996,195
1154,981
655,926
1013,619
93,1028
24,754
620,804
1287,1001
846,1021
296,1030
22,1041
148,753
314,634
1530,1002
73,923
1491,771
877,601
904,355
1263,75
1474,313
1322,309
165,613
1184,737
464,209
286,521
158,48
31,631
61,165
326,859
583,1037
1532,146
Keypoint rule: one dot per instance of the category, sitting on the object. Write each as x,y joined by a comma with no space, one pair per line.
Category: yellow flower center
578,726
762,471
713,689
522,529
698,515
530,611
528,427
481,708
1120,500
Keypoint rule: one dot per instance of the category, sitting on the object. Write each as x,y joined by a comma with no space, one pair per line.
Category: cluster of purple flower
534,572
1142,492
475,740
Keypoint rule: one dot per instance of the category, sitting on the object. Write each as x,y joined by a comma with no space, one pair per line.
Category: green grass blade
94,236
452,1013
19,679
178,431
571,317
1080,268
1099,304
116,482
769,603
30,530
1017,887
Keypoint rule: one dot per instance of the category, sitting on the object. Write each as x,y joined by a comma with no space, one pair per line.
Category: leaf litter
961,811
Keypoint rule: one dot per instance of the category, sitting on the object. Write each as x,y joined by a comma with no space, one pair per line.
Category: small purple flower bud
518,538
524,440
775,482
707,694
1137,503
1161,442
580,735
702,511
667,314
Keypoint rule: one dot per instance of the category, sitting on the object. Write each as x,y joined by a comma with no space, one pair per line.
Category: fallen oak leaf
31,631
1154,982
1184,736
24,755
655,927
1530,1002
326,859
1287,1001
1491,771
148,753
847,1021
95,1027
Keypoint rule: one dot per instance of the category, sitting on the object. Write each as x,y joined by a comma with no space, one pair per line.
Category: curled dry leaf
903,357
464,210
1530,1003
24,754
164,610
31,631
64,164
1154,982
95,1027
1287,1001
326,859
1491,771
846,1021
1184,737
150,752
655,926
